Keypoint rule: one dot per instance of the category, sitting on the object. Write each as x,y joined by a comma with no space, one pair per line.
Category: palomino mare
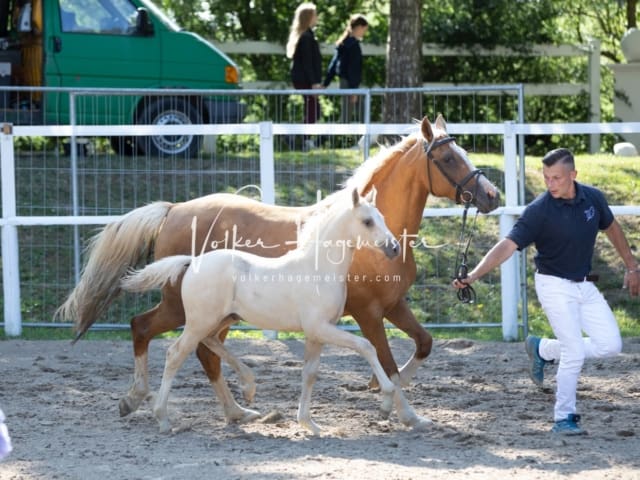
426,162
304,290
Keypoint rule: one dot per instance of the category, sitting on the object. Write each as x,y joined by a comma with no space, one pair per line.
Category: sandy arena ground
490,421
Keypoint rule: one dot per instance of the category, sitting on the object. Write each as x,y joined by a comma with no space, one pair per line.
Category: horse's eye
368,222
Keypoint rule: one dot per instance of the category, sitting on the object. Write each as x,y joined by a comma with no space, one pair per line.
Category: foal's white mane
336,204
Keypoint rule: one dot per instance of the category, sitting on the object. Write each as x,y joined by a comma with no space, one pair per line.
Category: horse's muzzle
391,248
487,197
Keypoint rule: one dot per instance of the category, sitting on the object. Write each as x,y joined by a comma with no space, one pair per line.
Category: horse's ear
356,197
440,123
427,132
371,196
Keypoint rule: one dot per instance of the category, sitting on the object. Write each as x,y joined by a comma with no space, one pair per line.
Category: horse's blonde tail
157,274
110,254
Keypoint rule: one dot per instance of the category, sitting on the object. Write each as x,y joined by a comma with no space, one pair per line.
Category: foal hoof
165,426
421,424
387,404
311,426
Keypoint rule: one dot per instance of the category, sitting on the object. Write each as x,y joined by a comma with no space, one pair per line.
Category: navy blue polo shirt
563,231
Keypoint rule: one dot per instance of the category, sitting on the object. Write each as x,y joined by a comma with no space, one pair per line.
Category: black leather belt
592,277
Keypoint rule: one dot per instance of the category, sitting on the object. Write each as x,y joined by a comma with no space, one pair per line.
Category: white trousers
573,308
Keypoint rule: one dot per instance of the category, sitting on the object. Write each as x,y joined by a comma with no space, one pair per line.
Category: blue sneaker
569,426
536,362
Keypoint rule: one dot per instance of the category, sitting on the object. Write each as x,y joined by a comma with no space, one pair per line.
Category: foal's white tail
156,274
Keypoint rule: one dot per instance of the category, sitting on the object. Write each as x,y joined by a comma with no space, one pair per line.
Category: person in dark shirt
347,64
306,64
563,224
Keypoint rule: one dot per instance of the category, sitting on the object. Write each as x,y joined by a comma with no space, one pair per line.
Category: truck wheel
170,111
127,146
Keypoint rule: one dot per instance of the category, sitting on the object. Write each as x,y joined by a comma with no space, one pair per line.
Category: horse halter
462,196
466,294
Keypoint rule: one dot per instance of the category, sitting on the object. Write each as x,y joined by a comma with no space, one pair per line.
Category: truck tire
170,111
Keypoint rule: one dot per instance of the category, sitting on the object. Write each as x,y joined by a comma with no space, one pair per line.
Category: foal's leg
329,333
232,411
310,367
406,413
402,317
176,355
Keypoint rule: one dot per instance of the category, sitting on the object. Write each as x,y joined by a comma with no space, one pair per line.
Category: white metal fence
32,220
267,132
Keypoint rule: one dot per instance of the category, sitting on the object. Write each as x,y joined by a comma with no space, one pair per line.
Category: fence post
509,269
10,252
267,182
267,174
594,92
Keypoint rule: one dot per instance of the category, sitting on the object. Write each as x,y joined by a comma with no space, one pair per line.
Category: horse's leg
232,411
329,333
372,328
402,317
161,318
310,367
176,355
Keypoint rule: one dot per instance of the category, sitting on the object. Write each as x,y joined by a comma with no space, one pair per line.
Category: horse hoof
421,424
312,427
373,383
249,416
165,426
404,381
385,412
387,404
249,392
125,406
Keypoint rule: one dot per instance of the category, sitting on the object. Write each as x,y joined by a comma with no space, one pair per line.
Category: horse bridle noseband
462,196
466,294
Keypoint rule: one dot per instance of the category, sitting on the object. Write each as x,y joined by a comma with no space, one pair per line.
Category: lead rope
465,294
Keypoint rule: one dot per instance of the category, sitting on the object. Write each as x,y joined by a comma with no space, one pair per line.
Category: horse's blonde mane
364,175
363,178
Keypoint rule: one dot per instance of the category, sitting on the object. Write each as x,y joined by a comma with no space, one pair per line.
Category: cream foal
304,290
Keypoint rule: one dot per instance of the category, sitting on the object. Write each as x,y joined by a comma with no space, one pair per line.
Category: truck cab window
109,17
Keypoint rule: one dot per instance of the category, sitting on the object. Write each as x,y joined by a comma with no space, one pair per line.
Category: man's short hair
562,155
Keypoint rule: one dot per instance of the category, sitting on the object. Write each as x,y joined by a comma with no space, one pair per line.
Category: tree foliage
473,24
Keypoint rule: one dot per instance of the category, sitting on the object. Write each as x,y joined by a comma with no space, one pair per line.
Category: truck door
99,43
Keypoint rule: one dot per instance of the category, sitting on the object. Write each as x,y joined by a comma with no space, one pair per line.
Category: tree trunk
631,14
404,54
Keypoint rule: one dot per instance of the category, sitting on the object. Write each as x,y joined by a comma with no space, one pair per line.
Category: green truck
121,44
